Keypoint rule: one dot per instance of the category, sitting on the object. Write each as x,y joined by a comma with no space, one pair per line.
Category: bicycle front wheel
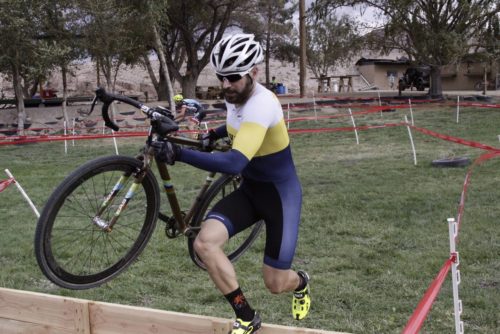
73,248
236,245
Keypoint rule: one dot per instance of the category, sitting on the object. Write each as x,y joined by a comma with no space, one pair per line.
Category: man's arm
230,162
246,143
180,114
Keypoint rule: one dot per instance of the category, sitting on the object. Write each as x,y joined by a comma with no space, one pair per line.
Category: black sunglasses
230,77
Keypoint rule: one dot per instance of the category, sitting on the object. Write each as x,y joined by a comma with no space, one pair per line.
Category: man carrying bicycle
270,190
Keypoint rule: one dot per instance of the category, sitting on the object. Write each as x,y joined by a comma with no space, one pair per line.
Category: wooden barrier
24,312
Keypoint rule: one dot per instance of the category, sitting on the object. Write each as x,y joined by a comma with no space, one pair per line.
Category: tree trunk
436,88
268,43
18,90
98,74
485,80
64,73
188,83
164,67
162,89
302,45
151,72
34,88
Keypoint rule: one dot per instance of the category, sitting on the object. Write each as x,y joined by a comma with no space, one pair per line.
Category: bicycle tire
238,244
75,253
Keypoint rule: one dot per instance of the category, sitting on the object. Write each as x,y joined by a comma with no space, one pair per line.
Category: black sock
240,305
302,283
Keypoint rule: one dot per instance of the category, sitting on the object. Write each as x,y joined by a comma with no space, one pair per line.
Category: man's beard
239,98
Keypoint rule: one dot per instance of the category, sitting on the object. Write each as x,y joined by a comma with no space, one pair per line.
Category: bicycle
101,217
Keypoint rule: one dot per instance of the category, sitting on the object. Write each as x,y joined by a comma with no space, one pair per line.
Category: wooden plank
65,313
8,326
276,329
108,318
120,319
23,312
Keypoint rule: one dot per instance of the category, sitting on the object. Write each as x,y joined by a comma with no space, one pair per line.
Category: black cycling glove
208,139
166,151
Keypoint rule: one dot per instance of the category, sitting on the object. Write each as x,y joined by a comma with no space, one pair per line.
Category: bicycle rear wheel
72,250
236,245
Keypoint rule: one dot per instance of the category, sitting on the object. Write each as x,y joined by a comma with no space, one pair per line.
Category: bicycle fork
109,199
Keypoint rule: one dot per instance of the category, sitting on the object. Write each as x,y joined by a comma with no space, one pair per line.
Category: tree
115,33
22,51
331,41
153,12
434,33
191,32
59,19
488,50
271,22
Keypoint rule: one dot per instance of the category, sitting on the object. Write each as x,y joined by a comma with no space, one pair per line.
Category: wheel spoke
71,250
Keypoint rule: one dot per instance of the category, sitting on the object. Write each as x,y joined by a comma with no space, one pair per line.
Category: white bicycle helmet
236,54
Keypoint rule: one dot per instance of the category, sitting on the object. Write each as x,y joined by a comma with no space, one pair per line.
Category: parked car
418,77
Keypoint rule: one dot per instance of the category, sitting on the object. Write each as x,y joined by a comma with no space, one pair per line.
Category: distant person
349,84
341,84
188,107
274,85
391,80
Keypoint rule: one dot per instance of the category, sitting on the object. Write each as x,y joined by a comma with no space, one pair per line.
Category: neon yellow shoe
246,327
301,302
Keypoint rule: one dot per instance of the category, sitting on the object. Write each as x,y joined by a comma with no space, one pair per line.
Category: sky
367,17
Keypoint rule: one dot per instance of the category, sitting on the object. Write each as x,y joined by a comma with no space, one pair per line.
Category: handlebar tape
107,99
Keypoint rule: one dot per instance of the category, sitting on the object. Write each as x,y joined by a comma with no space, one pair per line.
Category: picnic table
344,83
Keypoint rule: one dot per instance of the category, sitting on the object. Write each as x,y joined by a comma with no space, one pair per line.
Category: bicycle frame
181,219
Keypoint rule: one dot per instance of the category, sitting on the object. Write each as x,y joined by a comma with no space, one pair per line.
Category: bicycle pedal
171,233
171,229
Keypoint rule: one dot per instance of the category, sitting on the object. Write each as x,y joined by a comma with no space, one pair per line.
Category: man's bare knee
211,237
201,247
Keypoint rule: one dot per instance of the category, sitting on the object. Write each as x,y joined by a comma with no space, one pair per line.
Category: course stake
23,193
411,141
455,276
411,112
354,125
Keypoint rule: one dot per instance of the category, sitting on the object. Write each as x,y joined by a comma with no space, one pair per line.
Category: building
468,75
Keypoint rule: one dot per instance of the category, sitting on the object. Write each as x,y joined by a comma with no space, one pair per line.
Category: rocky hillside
136,81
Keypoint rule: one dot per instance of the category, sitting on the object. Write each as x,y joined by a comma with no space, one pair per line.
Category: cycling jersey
271,189
192,106
260,143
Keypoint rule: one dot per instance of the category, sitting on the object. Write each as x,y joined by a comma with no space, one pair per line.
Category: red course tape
417,319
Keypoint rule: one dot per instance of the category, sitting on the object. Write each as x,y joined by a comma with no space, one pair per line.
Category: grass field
373,233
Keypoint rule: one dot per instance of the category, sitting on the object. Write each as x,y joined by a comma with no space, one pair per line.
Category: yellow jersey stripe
252,139
249,138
